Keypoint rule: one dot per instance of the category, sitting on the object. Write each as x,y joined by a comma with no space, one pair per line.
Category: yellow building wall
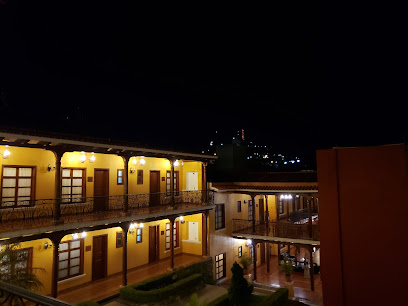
102,161
188,246
33,157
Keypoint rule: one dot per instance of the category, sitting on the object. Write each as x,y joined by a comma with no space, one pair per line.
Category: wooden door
261,211
262,251
153,243
99,257
154,188
101,189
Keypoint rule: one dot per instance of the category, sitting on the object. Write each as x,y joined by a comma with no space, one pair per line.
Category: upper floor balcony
276,229
40,216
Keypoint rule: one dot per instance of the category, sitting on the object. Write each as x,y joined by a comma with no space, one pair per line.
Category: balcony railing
42,213
277,229
13,295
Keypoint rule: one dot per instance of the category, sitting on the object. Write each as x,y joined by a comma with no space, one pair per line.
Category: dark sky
300,77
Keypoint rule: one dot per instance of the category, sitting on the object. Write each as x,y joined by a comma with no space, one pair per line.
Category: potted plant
245,262
287,269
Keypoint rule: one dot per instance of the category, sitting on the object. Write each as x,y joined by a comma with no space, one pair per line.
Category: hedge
220,301
278,298
144,292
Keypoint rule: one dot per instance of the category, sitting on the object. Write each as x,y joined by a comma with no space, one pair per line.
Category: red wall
363,214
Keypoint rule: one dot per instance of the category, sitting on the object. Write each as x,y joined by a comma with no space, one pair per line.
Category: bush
279,298
88,303
144,292
204,268
239,291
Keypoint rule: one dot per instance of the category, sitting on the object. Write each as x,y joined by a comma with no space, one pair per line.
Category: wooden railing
277,229
13,295
42,213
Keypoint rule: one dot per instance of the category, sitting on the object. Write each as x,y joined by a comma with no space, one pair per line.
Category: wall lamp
248,242
49,168
141,160
83,157
132,170
133,226
286,197
181,219
47,245
6,153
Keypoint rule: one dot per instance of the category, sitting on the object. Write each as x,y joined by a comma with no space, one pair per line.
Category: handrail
45,212
9,293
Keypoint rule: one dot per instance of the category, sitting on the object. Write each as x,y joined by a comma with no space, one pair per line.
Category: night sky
299,77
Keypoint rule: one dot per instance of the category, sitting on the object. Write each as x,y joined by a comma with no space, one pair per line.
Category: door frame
107,183
157,226
105,268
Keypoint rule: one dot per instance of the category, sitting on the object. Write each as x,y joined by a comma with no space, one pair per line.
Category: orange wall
362,194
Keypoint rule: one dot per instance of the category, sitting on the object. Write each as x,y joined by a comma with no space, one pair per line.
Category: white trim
71,278
191,241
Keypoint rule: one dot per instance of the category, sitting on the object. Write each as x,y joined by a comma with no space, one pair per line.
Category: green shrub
87,303
239,291
144,292
278,298
204,268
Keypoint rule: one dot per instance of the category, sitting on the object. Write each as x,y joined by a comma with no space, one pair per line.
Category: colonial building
262,215
84,209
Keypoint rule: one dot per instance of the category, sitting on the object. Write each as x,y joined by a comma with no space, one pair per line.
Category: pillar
255,258
205,233
172,180
58,191
268,256
253,212
311,271
56,239
125,229
126,159
309,205
171,219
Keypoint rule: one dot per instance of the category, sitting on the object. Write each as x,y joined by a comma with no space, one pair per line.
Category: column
204,182
266,214
253,212
311,271
56,239
309,205
57,205
172,180
268,256
126,159
255,257
125,229
205,233
171,219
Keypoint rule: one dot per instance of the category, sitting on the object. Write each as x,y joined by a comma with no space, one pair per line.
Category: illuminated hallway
97,290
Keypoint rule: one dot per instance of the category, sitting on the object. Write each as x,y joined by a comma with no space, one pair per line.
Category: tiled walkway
109,286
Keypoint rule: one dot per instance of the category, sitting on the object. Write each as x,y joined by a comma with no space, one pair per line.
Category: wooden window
73,185
251,251
139,177
119,239
22,262
250,214
70,255
220,266
120,177
139,233
17,185
240,251
281,211
239,206
175,235
175,180
219,216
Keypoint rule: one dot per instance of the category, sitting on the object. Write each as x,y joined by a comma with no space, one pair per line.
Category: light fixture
132,170
83,157
176,163
248,242
142,160
134,161
83,235
182,221
132,227
6,153
141,225
75,236
49,168
286,197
